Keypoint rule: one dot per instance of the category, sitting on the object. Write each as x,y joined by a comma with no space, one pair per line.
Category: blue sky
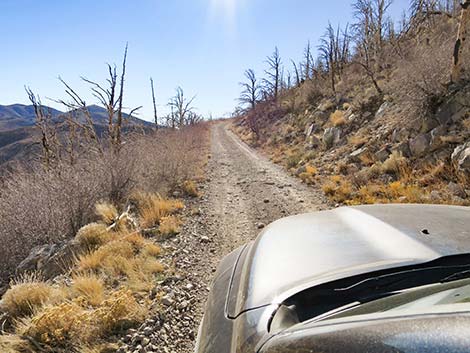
202,45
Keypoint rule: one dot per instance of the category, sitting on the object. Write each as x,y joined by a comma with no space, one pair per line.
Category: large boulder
331,136
50,259
420,145
451,111
461,156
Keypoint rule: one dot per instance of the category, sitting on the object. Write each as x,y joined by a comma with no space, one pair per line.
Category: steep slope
406,141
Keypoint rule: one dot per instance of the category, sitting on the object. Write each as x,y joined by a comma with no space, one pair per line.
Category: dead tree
274,74
298,79
50,143
111,98
327,48
462,48
181,107
369,32
250,93
155,116
308,63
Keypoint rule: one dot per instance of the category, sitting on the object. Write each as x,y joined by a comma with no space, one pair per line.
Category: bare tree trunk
155,116
462,49
118,126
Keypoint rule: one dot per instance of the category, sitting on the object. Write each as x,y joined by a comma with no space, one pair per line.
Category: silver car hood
302,251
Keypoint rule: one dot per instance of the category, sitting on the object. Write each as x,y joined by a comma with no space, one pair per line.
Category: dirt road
243,192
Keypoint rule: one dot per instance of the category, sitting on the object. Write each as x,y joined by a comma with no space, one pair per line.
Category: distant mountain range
18,135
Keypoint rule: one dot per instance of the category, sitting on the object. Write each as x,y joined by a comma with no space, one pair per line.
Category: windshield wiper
456,276
401,280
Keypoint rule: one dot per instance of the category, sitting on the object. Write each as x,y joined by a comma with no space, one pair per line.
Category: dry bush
15,344
88,286
151,249
358,141
394,163
153,208
309,175
70,324
112,259
367,159
64,197
189,187
28,294
337,118
169,225
337,189
106,212
93,235
419,82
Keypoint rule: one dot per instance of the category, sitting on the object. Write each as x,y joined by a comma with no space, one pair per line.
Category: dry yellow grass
337,118
107,212
358,141
338,189
28,294
88,286
189,187
114,268
119,312
153,208
14,344
394,163
309,175
367,159
151,249
112,259
169,225
93,235
70,324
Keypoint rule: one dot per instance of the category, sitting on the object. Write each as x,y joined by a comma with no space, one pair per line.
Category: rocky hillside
402,137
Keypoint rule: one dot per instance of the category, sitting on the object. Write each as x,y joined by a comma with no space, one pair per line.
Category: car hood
307,250
437,333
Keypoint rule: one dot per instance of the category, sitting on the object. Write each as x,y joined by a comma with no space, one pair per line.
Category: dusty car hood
302,251
426,333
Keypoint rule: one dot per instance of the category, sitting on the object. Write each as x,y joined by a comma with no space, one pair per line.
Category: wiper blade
456,276
408,279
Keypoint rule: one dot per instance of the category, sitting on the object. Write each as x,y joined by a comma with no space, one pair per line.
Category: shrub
88,286
338,189
28,294
153,208
169,225
112,259
394,163
337,118
151,249
107,212
63,326
93,235
189,188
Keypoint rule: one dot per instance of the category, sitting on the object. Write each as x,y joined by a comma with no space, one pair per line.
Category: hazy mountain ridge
19,136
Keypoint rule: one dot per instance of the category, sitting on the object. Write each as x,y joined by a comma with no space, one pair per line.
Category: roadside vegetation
375,112
81,225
